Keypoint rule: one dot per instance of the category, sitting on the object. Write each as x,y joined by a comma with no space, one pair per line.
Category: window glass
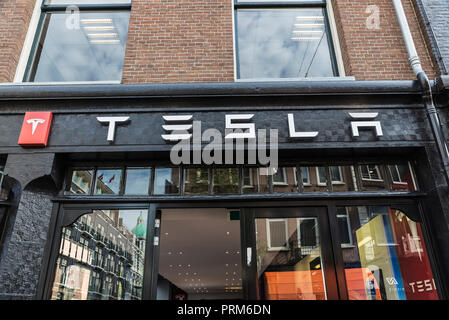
388,260
80,182
91,50
196,181
317,179
284,180
108,181
166,181
372,177
81,2
282,43
305,175
137,180
102,263
343,178
401,178
289,259
226,180
255,180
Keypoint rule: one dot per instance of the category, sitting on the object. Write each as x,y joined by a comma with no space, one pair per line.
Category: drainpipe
423,80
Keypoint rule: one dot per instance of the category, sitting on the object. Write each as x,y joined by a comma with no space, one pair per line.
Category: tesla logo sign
35,129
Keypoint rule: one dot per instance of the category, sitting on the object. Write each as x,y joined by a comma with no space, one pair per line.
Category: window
78,277
283,42
344,226
370,172
305,175
277,234
79,41
280,177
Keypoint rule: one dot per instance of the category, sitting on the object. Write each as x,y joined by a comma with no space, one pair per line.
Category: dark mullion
85,7
299,4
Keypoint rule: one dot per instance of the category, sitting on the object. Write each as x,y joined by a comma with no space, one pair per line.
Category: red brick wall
379,54
192,40
15,16
179,41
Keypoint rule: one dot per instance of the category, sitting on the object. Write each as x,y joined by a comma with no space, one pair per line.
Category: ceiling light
89,21
114,41
98,28
304,39
102,35
308,25
310,18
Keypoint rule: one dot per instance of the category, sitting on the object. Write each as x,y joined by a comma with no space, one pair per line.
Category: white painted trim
234,40
296,79
269,247
335,39
28,43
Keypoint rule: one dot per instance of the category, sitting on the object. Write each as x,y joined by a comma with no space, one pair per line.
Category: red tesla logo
35,129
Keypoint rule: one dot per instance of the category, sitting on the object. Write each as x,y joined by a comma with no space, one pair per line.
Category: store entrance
289,255
199,254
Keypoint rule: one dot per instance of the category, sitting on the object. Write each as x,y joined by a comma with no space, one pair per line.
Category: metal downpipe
424,82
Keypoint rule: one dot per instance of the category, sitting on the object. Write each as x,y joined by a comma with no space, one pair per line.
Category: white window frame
333,33
27,50
251,180
317,233
351,241
308,183
397,171
334,182
284,182
270,248
370,179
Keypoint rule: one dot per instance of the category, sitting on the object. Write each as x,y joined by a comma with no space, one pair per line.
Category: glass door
289,254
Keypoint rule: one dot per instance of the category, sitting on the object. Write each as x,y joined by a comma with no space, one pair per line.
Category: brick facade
179,41
379,54
192,41
15,16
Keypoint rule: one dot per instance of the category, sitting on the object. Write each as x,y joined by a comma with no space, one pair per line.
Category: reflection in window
305,175
196,181
317,179
401,177
80,182
226,180
372,178
94,50
389,260
108,181
289,259
166,181
280,43
137,180
4,190
255,180
105,262
285,180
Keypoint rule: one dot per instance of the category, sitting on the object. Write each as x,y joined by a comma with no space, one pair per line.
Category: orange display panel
309,285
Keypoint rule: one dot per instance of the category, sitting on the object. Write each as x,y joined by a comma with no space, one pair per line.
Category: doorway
199,254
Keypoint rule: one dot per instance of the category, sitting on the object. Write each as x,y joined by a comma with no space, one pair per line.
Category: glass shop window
285,180
255,180
372,177
84,44
279,43
137,181
389,259
316,179
226,181
196,181
401,177
166,180
108,181
93,268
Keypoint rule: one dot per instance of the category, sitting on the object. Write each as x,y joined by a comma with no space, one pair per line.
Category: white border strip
28,43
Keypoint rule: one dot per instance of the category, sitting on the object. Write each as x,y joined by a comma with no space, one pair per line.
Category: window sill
296,79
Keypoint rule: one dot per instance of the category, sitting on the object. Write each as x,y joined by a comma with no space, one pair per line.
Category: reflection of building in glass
289,258
100,258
